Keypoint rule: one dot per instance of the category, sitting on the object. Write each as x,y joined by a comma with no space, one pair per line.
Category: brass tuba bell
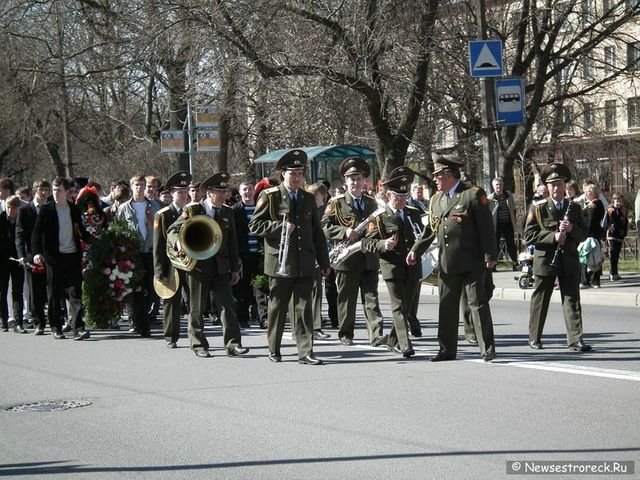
198,237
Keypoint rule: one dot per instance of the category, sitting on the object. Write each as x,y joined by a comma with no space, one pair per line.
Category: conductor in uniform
359,272
555,226
287,218
461,220
392,234
178,185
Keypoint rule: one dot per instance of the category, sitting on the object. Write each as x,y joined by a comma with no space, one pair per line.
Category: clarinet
557,255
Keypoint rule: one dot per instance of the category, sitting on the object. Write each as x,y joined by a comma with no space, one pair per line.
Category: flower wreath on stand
114,270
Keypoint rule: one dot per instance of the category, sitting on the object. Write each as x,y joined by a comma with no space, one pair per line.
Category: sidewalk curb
601,298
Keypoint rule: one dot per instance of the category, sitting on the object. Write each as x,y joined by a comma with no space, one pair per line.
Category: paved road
165,414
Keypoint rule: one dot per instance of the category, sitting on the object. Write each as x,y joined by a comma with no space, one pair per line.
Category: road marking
572,369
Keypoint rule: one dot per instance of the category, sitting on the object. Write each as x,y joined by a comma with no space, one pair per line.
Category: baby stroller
525,279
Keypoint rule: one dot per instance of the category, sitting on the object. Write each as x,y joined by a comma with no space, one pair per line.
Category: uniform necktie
400,215
215,211
359,205
294,200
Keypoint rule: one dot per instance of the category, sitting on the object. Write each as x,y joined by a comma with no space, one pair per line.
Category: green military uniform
399,277
306,247
466,241
359,272
163,268
540,228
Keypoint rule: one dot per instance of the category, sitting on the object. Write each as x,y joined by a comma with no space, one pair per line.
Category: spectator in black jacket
10,269
56,244
36,278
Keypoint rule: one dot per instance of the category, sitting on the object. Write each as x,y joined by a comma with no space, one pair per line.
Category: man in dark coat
36,277
56,244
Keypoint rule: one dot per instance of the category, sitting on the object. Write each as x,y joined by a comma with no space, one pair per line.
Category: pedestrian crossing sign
485,58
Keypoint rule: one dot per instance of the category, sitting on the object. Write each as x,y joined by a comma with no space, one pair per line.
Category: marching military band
194,251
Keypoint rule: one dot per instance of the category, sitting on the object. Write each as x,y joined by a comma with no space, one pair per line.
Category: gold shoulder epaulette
271,190
165,209
411,207
540,202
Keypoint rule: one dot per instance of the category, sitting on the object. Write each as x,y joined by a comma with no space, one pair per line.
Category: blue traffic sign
485,58
510,101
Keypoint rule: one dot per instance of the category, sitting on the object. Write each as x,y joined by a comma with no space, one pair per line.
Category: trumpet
283,252
417,231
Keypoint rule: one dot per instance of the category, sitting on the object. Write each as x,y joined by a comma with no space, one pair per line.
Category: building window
633,112
567,120
588,117
610,121
609,60
587,68
633,56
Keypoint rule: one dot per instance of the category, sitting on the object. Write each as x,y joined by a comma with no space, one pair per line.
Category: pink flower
107,271
111,285
118,284
122,248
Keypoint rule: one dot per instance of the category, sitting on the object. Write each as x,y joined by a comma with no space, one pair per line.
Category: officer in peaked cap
286,216
393,234
178,180
555,224
359,272
295,159
164,271
217,181
399,181
354,166
461,221
216,273
445,162
555,172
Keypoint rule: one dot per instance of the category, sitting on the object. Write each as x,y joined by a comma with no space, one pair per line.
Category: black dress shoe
275,357
346,341
442,357
320,335
535,345
310,360
408,352
489,355
202,353
235,351
416,332
580,346
172,345
263,325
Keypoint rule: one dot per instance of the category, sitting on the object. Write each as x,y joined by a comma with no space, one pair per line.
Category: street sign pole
190,137
486,95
